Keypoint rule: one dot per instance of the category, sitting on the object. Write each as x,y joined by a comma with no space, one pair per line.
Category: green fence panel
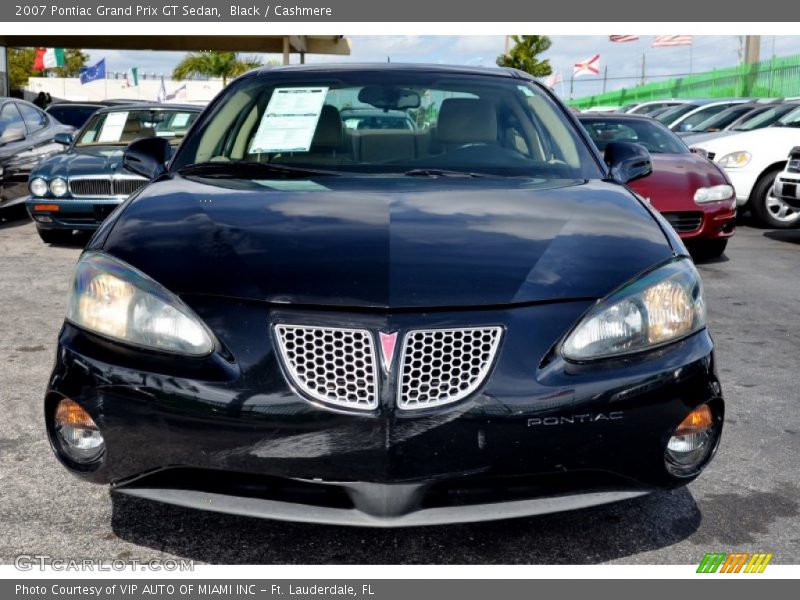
778,77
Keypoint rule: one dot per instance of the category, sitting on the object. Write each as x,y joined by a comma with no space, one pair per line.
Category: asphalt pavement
747,500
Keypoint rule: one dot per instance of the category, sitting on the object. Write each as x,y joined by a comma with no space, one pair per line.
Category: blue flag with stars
94,72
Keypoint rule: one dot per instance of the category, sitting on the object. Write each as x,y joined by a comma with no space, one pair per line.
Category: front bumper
228,433
743,181
85,214
787,188
711,221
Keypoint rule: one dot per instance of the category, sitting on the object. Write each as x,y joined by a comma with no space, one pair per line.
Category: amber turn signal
47,207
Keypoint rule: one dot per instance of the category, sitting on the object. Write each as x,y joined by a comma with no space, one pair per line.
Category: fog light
77,433
692,442
43,218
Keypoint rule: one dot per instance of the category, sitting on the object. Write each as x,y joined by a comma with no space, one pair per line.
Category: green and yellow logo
738,562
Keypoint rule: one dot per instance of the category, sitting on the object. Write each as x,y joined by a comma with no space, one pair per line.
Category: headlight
734,160
714,193
115,300
38,187
660,307
58,187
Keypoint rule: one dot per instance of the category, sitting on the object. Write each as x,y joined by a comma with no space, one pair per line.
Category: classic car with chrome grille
76,190
690,191
472,319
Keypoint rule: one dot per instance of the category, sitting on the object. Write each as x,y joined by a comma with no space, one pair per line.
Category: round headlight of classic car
58,187
38,187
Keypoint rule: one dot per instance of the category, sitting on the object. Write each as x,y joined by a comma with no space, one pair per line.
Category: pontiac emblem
388,342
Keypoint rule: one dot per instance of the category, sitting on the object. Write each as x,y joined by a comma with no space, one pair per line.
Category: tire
54,236
709,249
771,211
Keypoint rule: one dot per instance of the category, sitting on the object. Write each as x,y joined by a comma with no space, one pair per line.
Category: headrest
467,121
329,131
132,126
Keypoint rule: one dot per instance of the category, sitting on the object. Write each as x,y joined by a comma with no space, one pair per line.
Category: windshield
653,136
723,119
674,113
120,128
393,121
690,122
765,118
75,116
790,120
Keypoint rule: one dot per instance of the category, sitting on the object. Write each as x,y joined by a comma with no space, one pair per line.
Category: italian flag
132,77
48,58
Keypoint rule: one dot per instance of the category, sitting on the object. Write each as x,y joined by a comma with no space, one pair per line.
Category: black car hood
396,242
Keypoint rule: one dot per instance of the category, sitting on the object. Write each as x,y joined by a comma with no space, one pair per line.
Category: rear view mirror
63,138
389,98
147,157
627,161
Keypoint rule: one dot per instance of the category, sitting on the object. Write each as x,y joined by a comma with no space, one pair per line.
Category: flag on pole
93,73
179,93
162,92
553,80
623,38
668,41
132,77
48,58
590,66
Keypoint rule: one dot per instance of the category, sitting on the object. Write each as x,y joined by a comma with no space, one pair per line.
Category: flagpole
690,57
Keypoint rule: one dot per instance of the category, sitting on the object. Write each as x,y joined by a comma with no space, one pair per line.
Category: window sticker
180,120
112,127
289,121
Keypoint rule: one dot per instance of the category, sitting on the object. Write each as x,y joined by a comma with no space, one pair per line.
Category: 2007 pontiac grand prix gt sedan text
471,318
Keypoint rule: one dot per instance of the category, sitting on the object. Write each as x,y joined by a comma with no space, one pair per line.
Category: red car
692,193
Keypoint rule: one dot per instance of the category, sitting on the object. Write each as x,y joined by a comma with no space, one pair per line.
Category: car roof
614,117
419,67
150,106
67,103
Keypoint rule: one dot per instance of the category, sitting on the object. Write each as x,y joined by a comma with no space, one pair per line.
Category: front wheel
771,210
54,236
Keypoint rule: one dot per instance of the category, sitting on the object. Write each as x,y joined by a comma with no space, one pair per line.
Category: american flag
623,38
666,41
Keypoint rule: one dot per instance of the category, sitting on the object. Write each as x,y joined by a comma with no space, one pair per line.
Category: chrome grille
684,222
439,366
96,187
90,187
793,166
331,365
126,187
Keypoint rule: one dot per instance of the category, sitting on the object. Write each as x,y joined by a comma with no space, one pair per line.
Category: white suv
787,183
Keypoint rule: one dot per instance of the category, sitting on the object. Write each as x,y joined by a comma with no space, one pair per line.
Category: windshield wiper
440,173
253,170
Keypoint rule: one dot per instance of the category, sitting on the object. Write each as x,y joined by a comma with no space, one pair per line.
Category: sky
624,60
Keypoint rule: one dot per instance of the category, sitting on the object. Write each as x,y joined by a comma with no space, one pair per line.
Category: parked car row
750,139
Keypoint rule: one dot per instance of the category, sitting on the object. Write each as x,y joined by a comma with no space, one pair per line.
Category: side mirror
147,157
63,138
627,161
11,134
699,151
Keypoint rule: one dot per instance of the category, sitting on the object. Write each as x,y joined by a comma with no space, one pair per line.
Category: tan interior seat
466,121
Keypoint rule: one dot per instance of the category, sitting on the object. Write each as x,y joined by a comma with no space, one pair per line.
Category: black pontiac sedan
474,319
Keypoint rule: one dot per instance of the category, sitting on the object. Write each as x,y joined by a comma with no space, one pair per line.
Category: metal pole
605,78
286,50
571,80
644,60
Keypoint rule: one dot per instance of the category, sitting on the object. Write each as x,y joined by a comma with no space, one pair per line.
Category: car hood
770,143
389,242
676,178
103,160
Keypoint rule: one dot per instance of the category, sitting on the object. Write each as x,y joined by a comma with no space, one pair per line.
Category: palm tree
524,55
214,64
